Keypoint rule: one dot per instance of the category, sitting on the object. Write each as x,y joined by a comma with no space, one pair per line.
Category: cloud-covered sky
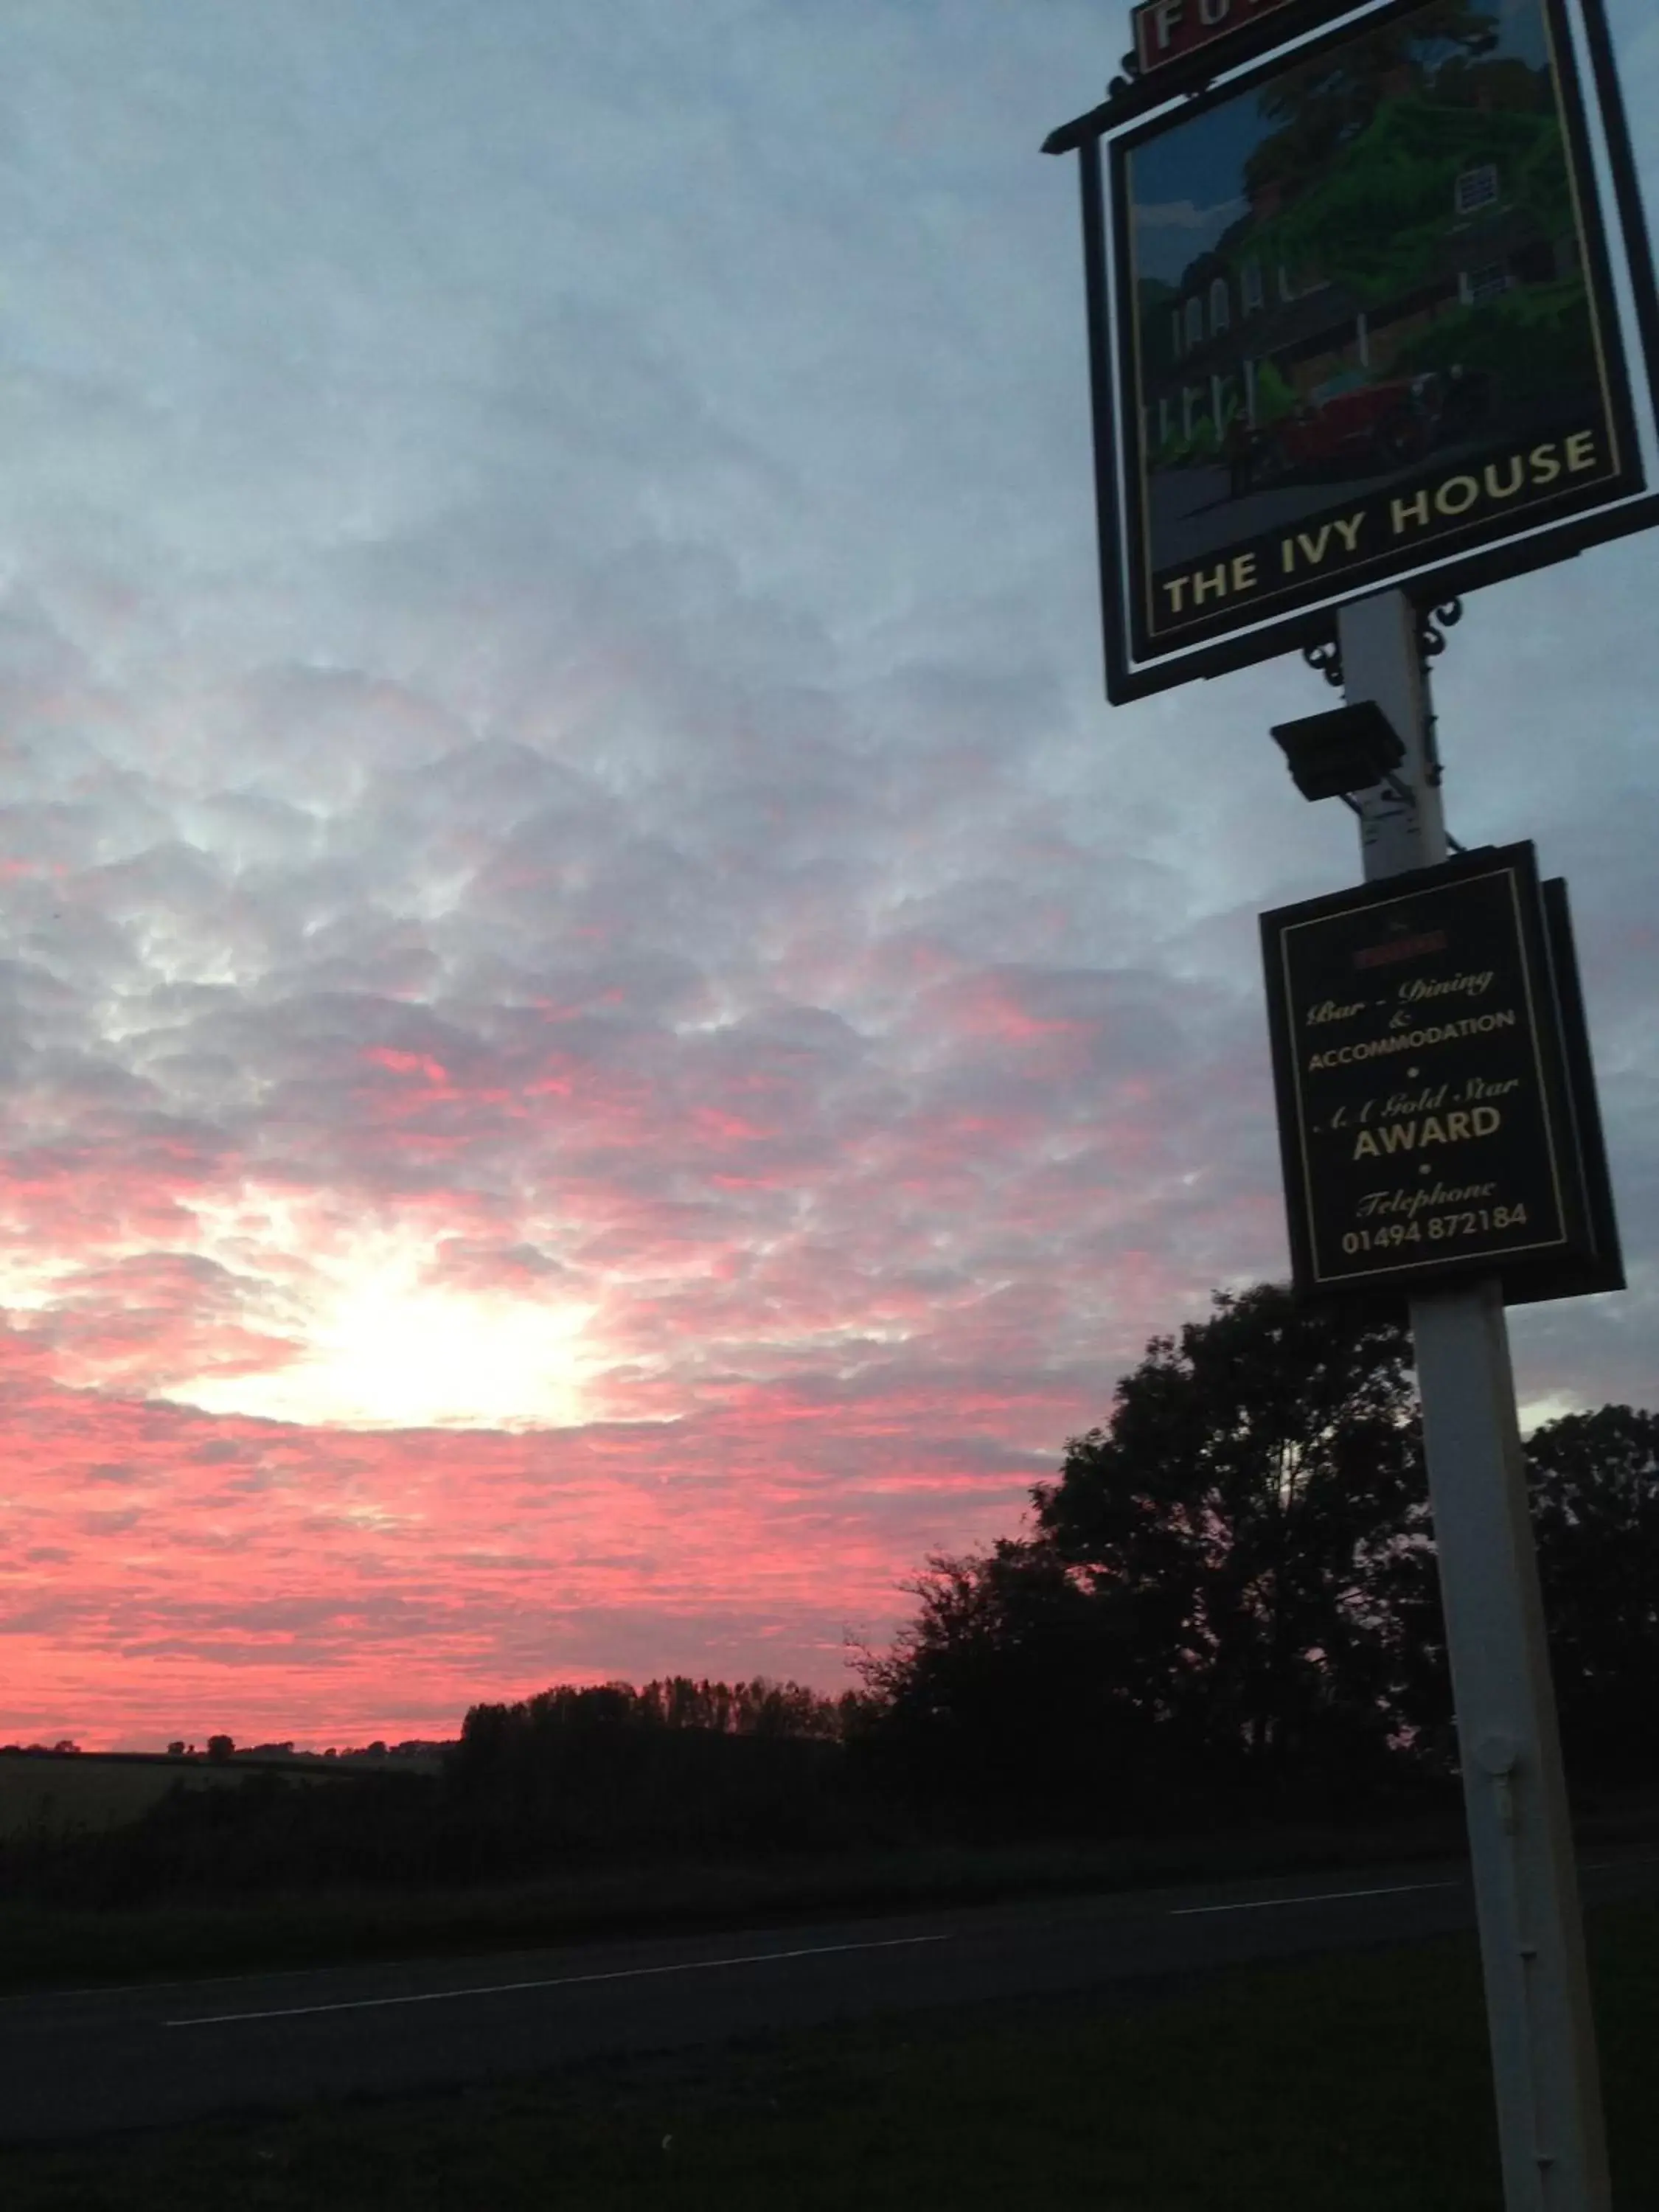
603,1039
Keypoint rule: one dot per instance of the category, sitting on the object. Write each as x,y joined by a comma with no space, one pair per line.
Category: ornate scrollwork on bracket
1432,625
1327,658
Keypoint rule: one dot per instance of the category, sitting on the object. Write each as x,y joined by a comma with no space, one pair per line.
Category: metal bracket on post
1432,624
1325,658
1532,1938
1431,627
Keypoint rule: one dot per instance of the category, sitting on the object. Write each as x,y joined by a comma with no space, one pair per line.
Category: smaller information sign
1426,1117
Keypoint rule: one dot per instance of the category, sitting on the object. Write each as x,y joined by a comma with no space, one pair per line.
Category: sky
603,1041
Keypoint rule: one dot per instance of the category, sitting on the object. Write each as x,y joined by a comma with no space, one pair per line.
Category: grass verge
1360,2082
43,1947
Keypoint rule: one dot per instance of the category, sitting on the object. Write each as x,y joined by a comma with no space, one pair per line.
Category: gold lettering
1244,571
1176,587
1544,465
1415,1136
1421,988
1348,531
1518,477
1468,491
1314,550
1210,584
1581,452
1410,510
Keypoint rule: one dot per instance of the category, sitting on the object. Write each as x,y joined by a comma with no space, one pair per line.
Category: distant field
1360,2082
92,1790
105,1790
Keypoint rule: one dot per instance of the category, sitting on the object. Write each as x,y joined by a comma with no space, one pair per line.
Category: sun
384,1341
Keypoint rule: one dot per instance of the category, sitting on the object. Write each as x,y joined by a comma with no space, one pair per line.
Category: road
80,2063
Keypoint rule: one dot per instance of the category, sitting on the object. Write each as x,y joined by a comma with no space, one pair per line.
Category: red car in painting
1359,429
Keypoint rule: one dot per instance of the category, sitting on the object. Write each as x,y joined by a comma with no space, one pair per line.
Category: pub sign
1437,1109
1174,34
1356,320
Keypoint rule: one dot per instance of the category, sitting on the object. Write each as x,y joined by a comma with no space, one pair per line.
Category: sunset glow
604,1043
377,1344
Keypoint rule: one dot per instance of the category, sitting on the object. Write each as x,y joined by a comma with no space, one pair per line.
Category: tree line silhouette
1229,1600
1224,1608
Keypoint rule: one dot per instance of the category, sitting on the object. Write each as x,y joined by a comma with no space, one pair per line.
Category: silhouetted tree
1594,1484
1229,1587
1254,1514
1010,1695
679,1765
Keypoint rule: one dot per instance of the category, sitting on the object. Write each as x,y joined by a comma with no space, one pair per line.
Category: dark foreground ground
80,2063
1358,2080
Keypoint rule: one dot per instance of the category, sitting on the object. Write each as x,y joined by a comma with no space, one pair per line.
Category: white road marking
145,1988
558,1982
1320,1897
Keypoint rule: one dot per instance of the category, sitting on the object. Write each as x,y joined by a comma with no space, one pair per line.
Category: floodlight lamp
1350,749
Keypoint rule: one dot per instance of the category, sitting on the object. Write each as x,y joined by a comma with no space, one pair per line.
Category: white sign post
1532,1941
1220,552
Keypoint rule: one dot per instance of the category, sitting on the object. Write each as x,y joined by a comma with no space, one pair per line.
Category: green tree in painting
1380,214
1332,98
1360,172
1274,399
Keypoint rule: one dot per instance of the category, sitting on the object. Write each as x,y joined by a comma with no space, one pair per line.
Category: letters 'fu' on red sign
1167,31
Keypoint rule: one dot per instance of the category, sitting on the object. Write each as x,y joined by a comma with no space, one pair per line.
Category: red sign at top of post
1169,30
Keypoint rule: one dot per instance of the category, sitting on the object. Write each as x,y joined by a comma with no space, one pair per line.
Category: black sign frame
1618,504
1604,1271
1414,1237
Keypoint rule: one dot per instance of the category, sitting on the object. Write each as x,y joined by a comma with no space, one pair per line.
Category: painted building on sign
1293,312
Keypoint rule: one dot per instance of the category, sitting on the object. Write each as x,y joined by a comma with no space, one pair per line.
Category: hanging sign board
1355,321
1431,1123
